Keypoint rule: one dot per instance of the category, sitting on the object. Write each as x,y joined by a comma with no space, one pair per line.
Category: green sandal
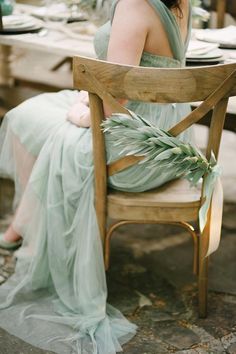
11,246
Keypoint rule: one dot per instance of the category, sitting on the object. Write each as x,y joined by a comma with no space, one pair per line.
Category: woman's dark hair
172,3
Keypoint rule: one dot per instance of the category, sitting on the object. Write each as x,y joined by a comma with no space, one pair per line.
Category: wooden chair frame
107,82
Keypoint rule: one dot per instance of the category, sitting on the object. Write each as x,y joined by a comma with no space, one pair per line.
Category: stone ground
150,281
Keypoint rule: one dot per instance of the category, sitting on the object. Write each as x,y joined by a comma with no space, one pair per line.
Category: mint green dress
57,298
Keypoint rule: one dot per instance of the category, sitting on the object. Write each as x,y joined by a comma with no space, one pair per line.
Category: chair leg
107,240
195,238
203,262
203,287
107,244
107,252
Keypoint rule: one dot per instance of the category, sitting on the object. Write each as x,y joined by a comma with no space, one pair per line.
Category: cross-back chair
176,202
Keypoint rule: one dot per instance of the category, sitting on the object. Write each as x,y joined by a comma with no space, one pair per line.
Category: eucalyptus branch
140,138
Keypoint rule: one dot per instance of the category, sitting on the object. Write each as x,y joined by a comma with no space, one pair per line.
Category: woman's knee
19,116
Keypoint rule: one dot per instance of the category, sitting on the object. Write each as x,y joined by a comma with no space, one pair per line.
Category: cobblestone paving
150,281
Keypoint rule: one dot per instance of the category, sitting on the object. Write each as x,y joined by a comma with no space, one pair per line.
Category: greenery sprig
139,137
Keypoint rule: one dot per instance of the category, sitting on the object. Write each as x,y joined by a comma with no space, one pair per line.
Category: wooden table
221,8
230,122
54,42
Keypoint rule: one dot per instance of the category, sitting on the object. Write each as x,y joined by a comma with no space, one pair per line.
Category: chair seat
175,201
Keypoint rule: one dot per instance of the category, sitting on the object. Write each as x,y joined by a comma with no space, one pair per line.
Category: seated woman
57,298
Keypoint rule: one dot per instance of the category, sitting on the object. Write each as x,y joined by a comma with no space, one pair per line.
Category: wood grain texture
176,193
153,84
99,156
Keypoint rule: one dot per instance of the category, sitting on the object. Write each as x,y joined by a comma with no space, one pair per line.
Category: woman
58,294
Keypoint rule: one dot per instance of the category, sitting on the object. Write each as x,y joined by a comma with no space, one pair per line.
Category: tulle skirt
56,299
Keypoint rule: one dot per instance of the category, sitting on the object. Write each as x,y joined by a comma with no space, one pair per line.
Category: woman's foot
10,240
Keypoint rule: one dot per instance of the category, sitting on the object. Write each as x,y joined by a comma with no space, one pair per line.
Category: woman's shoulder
145,8
132,5
135,10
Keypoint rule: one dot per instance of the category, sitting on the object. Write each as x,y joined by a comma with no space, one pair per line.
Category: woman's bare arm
128,34
127,39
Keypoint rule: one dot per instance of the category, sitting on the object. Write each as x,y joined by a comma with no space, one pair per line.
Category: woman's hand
79,113
83,97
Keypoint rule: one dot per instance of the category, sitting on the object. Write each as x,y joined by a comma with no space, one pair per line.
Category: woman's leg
11,235
24,163
28,127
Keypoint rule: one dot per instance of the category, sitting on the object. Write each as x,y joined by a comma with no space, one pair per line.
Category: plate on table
225,37
197,62
202,53
210,59
213,54
213,57
17,24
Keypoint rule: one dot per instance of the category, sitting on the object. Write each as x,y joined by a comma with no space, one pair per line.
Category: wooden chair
175,202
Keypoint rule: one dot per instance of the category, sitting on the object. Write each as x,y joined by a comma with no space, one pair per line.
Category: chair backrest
105,81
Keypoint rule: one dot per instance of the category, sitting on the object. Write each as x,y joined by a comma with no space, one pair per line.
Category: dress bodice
170,24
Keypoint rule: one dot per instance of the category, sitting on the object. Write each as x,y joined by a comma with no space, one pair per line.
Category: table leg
1,25
221,8
5,67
